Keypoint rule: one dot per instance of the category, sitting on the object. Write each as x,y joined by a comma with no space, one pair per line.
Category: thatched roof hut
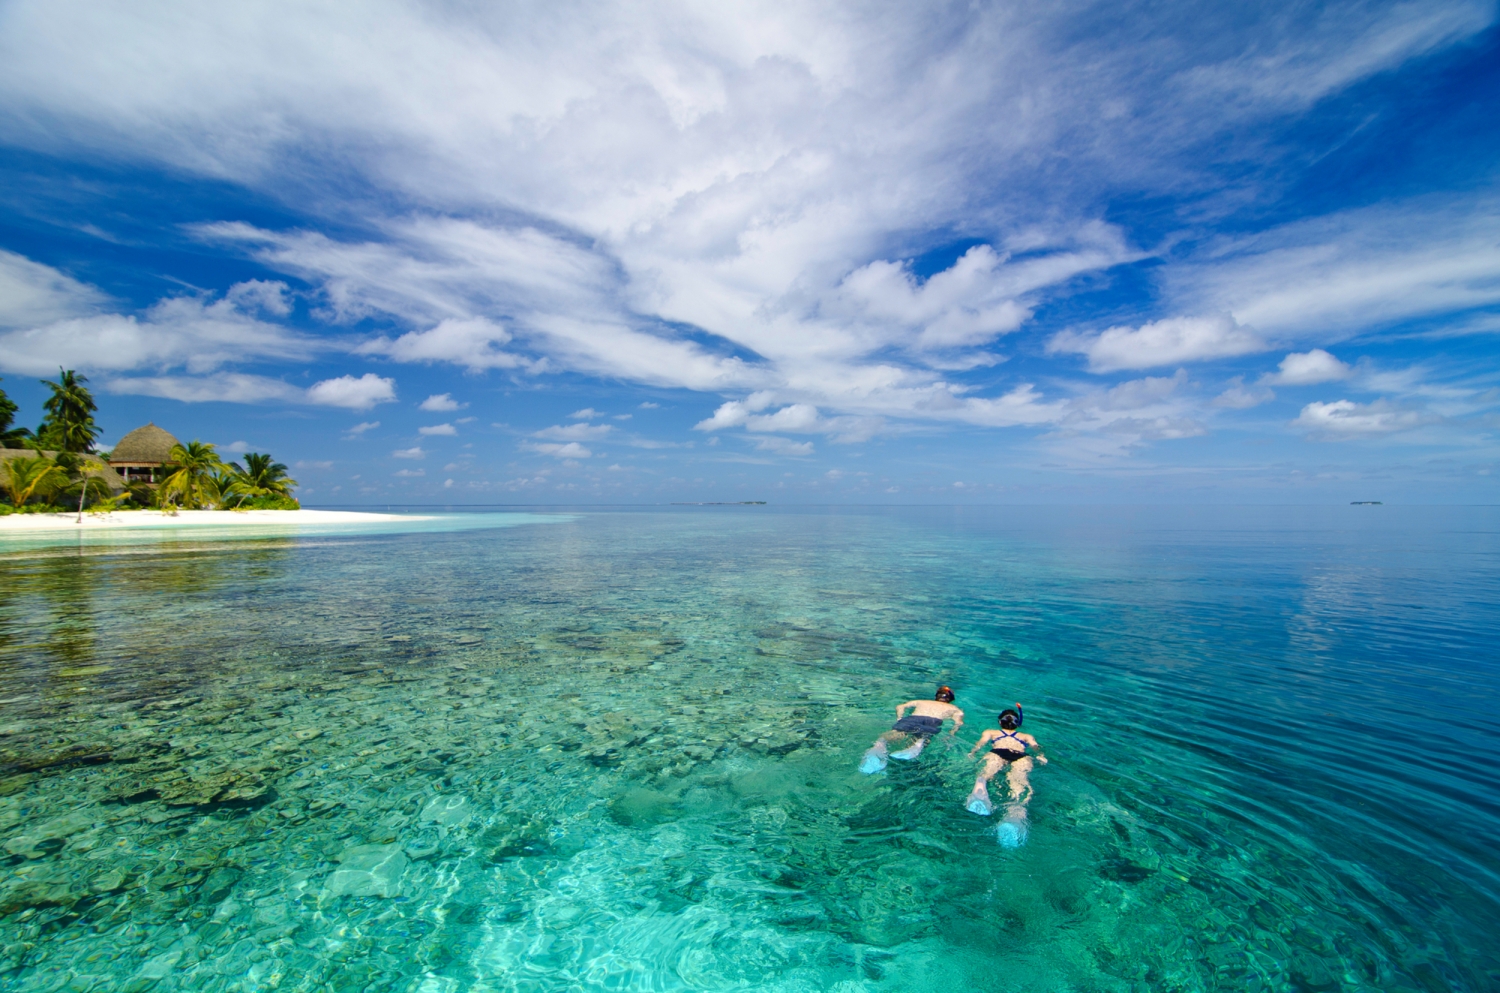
142,454
147,446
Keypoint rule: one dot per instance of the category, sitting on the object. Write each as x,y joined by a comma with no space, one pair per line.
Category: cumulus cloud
410,473
575,432
1308,368
1340,419
571,450
437,429
355,393
1166,342
415,452
783,446
441,402
1241,397
362,427
472,342
587,413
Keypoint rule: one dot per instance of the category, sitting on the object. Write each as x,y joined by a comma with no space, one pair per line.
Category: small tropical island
55,476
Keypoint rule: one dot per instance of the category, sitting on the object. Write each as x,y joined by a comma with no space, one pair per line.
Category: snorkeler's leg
911,751
979,799
1018,780
1012,831
875,757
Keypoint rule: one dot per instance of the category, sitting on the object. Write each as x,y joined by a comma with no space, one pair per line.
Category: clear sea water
616,750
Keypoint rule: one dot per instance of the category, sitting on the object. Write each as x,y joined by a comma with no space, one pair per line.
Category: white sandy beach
120,519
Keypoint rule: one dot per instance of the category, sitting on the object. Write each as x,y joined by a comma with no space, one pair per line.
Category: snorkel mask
944,695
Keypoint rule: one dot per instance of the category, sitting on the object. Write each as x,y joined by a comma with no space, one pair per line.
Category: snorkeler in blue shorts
925,720
1007,747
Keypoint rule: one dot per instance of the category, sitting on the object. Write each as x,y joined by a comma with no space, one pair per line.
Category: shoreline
153,519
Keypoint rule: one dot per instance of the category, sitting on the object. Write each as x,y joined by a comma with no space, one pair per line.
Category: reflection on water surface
617,751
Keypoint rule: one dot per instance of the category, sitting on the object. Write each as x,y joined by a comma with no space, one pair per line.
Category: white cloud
235,387
437,429
572,450
261,294
1346,419
783,446
797,418
1166,342
410,473
574,432
223,387
648,405
310,464
586,413
1308,368
415,452
360,393
32,294
447,484
441,402
193,332
623,417
726,198
1241,397
1335,275
473,343
362,427
235,447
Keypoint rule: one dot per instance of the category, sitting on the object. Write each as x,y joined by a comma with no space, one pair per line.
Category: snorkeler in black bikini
1007,746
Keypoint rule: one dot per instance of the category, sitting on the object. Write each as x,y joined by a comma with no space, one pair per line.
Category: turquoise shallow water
617,750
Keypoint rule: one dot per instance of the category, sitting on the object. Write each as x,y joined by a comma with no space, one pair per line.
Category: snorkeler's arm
902,706
983,739
958,722
1041,759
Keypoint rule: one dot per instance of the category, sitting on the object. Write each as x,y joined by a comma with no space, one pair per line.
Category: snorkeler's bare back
931,708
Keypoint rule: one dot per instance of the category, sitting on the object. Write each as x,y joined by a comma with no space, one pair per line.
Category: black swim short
1007,754
924,727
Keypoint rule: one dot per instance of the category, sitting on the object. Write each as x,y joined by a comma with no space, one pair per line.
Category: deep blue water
616,750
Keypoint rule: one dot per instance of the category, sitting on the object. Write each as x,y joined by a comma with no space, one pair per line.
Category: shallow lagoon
616,751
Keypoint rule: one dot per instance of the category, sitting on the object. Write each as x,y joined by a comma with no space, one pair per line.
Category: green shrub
269,502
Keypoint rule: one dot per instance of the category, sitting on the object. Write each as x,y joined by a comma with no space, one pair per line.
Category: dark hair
944,694
1009,719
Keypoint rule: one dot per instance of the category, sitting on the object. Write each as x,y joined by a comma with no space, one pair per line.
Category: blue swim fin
872,762
1013,830
978,804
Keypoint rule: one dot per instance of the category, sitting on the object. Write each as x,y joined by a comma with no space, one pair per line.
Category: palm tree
82,479
230,482
266,477
69,425
194,482
11,437
26,479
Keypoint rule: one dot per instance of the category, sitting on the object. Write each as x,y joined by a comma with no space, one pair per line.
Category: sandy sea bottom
617,751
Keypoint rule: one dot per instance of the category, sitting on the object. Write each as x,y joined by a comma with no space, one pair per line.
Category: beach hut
142,455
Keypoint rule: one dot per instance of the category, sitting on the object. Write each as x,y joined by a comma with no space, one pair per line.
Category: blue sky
543,253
